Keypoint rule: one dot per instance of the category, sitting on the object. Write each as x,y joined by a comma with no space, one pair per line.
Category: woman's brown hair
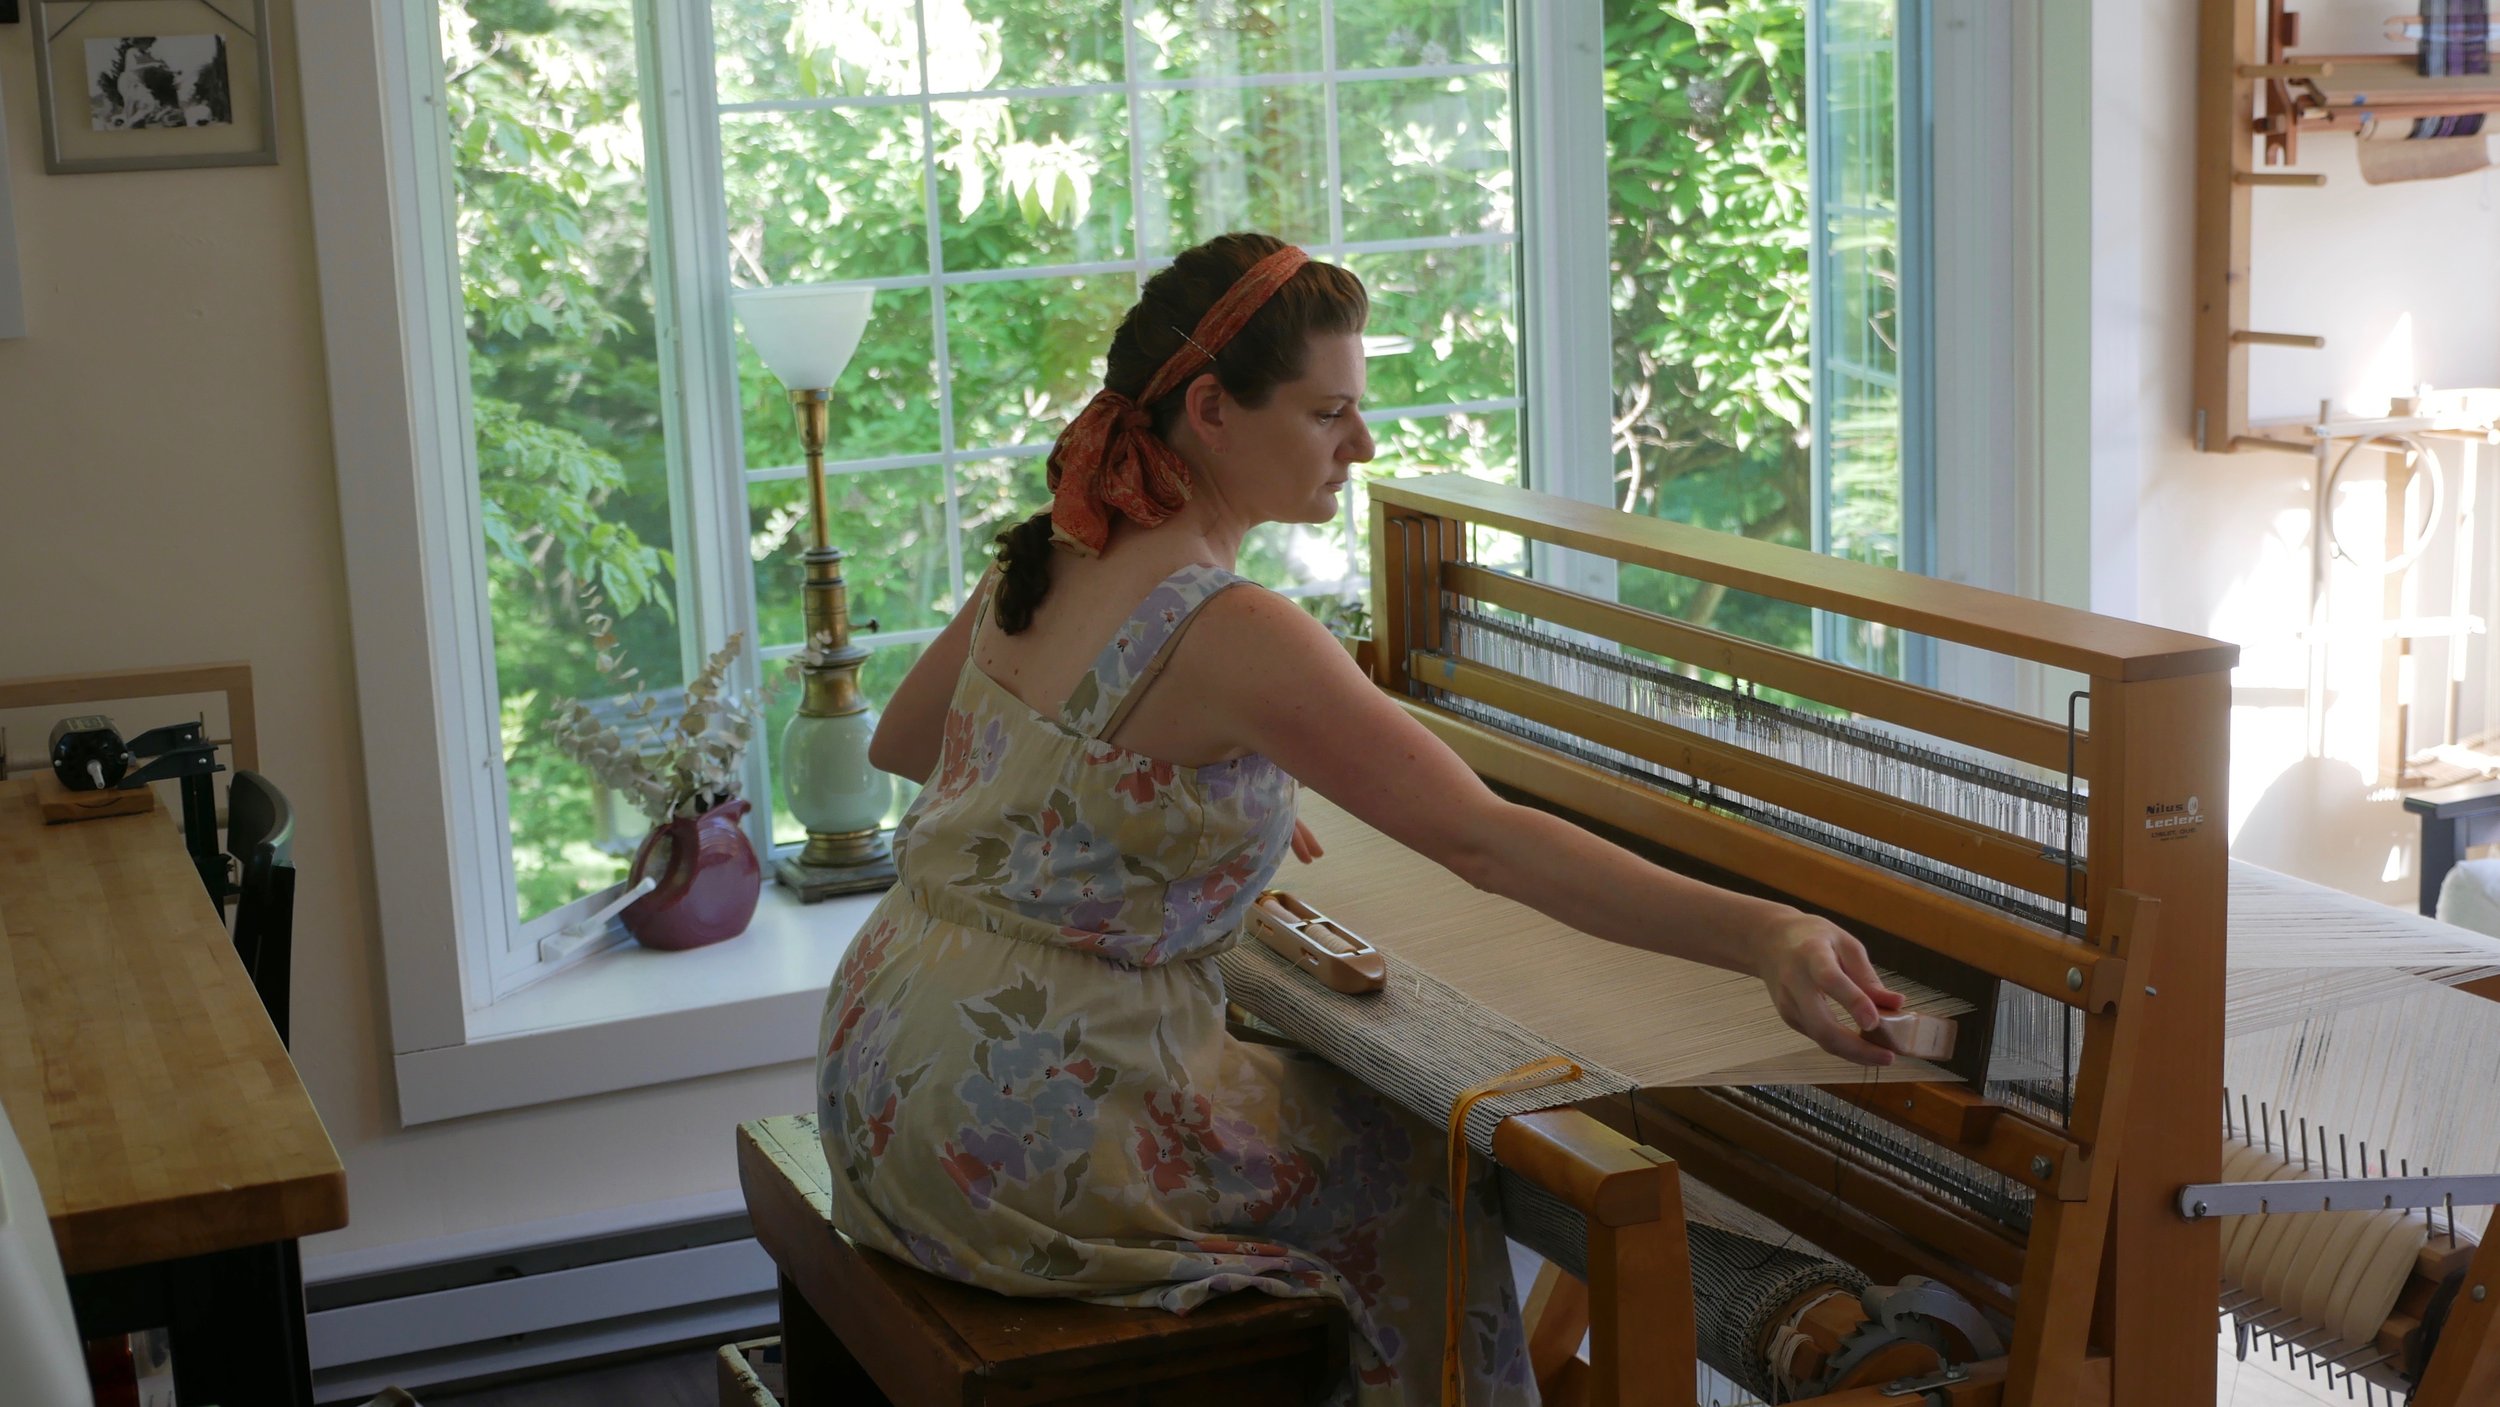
1269,351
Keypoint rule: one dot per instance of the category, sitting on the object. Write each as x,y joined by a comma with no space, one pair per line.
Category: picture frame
147,85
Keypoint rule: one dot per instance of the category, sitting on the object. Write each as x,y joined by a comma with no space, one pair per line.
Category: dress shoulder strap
984,591
1136,654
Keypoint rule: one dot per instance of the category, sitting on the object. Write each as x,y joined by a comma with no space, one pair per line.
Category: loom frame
2159,731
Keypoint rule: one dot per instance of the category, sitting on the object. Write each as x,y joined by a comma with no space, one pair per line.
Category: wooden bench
860,1328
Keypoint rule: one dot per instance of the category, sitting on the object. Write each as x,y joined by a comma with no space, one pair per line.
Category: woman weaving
1026,1081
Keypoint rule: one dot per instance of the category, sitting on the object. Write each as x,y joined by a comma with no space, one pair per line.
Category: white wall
2220,543
169,497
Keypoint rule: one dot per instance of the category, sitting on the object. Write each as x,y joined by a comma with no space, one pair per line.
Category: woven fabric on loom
1419,1040
1656,1019
2456,41
1422,1042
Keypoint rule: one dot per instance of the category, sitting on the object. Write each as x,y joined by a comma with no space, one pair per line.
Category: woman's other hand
1306,846
1809,964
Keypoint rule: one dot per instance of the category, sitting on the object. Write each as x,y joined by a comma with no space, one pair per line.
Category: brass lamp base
837,874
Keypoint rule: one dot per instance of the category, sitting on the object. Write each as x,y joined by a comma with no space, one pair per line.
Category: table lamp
805,336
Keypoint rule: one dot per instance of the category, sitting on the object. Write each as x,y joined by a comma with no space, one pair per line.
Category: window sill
631,1017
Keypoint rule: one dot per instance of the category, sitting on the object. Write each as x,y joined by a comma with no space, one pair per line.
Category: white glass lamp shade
805,333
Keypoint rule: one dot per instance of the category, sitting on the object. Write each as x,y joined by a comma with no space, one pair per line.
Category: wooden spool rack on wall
2252,84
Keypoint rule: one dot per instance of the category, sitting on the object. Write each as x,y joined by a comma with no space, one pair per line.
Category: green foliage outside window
1706,172
545,120
1707,168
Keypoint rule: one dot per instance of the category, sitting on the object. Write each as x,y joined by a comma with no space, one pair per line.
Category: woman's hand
1305,845
1809,963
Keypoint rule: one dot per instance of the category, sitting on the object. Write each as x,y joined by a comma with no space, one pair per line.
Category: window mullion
1328,111
451,516
698,359
1567,324
930,210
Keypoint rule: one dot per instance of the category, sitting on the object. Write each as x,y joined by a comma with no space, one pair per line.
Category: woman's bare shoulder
1249,619
1269,678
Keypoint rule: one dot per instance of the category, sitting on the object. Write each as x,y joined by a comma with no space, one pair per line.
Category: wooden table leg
817,1370
234,1319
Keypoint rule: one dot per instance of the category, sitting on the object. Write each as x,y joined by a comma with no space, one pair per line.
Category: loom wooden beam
1949,1114
2063,1271
2001,731
2159,831
2100,646
2310,179
1557,1319
1868,1216
1410,551
1982,1130
1642,1338
2465,1369
1600,1173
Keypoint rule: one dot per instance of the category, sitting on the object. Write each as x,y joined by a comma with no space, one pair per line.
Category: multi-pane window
1004,173
549,193
1866,59
1764,381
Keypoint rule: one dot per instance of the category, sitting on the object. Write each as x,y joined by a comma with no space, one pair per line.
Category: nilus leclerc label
2174,820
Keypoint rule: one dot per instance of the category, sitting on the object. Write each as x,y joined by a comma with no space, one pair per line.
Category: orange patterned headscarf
1109,460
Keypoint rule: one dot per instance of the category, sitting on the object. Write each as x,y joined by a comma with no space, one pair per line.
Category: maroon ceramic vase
708,881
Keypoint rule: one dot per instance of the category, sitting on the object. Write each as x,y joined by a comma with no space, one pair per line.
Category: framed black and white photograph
137,85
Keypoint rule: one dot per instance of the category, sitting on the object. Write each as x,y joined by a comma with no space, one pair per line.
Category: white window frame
416,578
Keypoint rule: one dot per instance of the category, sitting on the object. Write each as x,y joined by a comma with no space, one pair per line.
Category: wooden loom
2105,1292
2109,1292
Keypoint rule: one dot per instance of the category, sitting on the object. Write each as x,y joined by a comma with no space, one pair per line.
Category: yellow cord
1552,1070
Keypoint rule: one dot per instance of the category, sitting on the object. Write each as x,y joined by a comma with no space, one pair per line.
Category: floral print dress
1026,1083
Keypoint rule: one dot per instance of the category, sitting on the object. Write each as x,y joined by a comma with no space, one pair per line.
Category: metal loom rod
1664,784
1488,634
1996,730
1982,850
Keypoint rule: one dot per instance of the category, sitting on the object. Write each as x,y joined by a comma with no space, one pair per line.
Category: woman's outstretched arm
1273,677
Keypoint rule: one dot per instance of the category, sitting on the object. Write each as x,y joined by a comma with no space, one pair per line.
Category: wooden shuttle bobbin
1317,944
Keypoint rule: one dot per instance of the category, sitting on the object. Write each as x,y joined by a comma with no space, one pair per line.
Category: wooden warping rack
2005,1230
2257,92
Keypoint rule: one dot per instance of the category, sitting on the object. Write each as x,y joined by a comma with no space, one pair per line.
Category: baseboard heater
465,1321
